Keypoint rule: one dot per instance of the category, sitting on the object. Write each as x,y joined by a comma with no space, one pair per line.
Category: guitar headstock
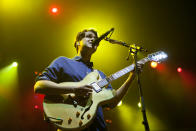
157,56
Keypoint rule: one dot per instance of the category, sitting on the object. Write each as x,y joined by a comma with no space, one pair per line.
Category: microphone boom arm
116,42
133,46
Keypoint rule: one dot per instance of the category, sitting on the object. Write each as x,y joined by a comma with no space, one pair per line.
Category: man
52,80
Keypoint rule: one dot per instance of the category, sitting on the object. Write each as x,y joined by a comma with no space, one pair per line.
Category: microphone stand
133,50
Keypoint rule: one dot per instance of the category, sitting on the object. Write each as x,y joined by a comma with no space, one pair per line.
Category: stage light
120,103
14,64
139,105
153,64
36,72
108,121
9,81
54,10
179,69
36,106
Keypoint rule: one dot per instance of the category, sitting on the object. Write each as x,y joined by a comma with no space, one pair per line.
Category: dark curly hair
81,35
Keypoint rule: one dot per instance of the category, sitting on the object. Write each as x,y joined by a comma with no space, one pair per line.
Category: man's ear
77,43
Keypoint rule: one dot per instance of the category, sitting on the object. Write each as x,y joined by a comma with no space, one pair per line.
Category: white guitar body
66,116
71,112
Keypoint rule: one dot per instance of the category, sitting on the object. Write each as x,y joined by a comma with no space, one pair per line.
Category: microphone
96,42
133,46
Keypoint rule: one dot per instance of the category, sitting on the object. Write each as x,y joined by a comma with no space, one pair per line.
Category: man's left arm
120,92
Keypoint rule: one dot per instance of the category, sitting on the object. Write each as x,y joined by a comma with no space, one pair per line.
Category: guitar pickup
96,87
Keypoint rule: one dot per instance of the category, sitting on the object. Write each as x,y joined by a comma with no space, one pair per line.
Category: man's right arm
51,88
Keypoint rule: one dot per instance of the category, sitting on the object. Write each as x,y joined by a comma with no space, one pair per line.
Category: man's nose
92,39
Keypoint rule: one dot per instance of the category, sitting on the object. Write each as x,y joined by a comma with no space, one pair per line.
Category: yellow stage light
139,105
154,64
120,103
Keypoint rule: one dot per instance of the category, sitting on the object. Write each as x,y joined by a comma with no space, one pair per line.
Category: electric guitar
71,112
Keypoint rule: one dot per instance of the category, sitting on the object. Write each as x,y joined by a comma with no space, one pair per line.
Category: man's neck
85,56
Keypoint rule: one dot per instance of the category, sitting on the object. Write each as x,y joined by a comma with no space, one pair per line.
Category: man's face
87,41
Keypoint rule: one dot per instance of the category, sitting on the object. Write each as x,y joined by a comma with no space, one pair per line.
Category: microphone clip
134,49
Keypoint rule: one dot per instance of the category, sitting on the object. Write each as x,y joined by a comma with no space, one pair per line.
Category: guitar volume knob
88,116
69,121
77,114
80,123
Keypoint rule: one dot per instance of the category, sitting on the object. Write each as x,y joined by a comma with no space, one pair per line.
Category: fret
144,60
122,72
127,69
111,78
102,83
115,76
118,74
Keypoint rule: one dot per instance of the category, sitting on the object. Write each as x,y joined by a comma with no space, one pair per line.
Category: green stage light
14,64
9,81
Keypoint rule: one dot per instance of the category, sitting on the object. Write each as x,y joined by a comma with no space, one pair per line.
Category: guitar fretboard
118,74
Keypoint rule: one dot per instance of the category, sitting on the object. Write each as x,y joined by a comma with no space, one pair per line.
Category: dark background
32,36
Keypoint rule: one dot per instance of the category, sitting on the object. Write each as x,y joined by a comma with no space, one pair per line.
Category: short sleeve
52,72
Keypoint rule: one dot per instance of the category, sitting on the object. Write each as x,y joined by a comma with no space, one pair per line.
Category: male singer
61,70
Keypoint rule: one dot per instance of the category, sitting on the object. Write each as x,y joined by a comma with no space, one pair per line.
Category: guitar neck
120,73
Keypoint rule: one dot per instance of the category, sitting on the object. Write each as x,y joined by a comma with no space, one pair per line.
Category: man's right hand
85,90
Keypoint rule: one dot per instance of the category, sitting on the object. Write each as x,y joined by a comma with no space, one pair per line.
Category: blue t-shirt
64,69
